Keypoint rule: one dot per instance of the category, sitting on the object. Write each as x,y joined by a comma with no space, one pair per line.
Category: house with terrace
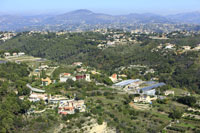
85,77
69,106
34,97
65,76
144,99
47,81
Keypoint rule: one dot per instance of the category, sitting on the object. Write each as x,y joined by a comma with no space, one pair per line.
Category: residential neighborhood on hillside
123,76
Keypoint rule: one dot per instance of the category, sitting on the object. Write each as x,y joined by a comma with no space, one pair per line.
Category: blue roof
153,86
126,82
3,62
150,82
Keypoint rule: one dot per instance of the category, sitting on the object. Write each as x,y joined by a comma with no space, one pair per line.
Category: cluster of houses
166,46
116,38
189,48
144,99
7,54
7,36
148,99
37,73
81,75
69,106
36,94
64,104
145,89
169,46
35,97
65,76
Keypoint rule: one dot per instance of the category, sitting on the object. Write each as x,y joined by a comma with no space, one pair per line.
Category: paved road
34,89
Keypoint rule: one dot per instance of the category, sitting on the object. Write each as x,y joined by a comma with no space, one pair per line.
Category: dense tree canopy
11,107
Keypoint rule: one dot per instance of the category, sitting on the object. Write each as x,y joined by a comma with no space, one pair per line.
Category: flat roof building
126,82
150,90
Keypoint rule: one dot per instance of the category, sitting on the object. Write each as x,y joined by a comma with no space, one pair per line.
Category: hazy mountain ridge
192,17
78,17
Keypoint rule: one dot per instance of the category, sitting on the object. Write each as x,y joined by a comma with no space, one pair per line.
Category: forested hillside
12,109
178,70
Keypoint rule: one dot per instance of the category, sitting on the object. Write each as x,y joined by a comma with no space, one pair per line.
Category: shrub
176,114
100,121
188,100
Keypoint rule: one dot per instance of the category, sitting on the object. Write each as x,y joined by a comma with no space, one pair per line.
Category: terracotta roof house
69,106
113,77
66,74
47,81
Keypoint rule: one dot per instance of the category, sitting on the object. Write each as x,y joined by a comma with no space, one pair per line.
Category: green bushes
176,114
100,121
69,117
188,100
11,107
176,129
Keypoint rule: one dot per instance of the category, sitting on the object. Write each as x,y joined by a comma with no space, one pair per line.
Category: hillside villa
34,97
69,106
144,99
65,76
47,81
113,77
85,77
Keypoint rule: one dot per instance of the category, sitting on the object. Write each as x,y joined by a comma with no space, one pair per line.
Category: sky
114,7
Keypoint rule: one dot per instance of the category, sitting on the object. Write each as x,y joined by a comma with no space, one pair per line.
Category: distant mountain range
86,17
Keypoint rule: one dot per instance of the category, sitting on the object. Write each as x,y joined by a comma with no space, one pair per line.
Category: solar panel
153,86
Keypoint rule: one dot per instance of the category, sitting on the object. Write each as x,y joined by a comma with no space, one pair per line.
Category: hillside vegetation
177,70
